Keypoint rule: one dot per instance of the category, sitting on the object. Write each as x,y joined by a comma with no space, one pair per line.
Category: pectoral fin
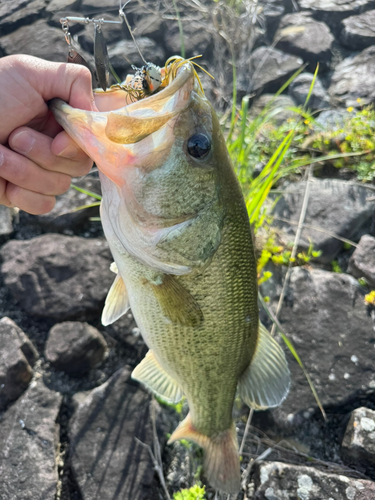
176,302
117,302
151,374
265,383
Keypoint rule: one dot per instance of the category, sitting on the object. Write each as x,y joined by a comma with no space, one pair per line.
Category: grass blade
86,191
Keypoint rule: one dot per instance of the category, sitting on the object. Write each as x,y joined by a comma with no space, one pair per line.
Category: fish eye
198,146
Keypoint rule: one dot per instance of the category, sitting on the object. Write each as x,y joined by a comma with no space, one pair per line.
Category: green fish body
177,225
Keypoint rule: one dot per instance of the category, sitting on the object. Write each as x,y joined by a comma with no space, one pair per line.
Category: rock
268,69
29,446
59,277
37,39
362,262
300,88
334,206
150,50
321,310
197,40
107,461
62,5
301,35
6,222
16,355
359,31
272,14
64,216
7,8
354,78
358,446
331,120
14,332
98,6
151,26
27,14
333,12
280,481
277,106
75,347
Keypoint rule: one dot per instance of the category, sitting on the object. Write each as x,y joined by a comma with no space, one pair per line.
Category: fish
177,225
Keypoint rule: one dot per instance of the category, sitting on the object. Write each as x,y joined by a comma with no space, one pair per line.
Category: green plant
336,267
196,492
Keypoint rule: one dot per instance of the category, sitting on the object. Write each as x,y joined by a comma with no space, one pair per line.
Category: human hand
37,160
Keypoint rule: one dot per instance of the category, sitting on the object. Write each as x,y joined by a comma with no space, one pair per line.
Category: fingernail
1,158
23,142
69,152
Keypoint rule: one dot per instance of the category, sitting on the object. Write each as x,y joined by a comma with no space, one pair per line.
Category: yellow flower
370,298
350,109
359,100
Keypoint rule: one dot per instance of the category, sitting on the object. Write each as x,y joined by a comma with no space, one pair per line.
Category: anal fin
151,374
221,462
116,303
176,302
265,383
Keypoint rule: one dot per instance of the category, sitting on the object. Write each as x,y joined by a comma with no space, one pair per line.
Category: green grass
194,493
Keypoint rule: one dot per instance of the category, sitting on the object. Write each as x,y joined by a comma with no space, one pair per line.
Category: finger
3,197
25,173
29,201
39,148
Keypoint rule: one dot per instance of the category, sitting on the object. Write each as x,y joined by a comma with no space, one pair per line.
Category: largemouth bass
176,222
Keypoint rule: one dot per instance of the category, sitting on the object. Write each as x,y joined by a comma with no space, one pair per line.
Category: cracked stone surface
56,276
280,481
358,445
17,356
334,206
362,262
359,31
107,460
29,446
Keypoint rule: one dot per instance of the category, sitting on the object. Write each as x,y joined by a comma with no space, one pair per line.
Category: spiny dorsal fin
151,374
265,383
116,303
221,463
177,302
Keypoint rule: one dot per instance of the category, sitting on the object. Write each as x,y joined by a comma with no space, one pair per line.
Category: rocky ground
69,412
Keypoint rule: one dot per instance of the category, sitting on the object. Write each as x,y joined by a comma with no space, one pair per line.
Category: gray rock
334,206
151,26
29,446
277,107
64,216
59,5
334,6
280,481
331,119
27,14
98,6
303,36
197,40
75,347
6,222
7,8
16,355
13,331
325,317
359,31
354,78
107,461
362,262
37,39
268,69
150,50
358,446
57,276
300,88
272,13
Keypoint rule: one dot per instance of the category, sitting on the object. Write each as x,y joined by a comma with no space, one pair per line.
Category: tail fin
221,461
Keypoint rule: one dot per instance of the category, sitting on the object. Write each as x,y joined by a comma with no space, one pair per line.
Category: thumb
69,82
